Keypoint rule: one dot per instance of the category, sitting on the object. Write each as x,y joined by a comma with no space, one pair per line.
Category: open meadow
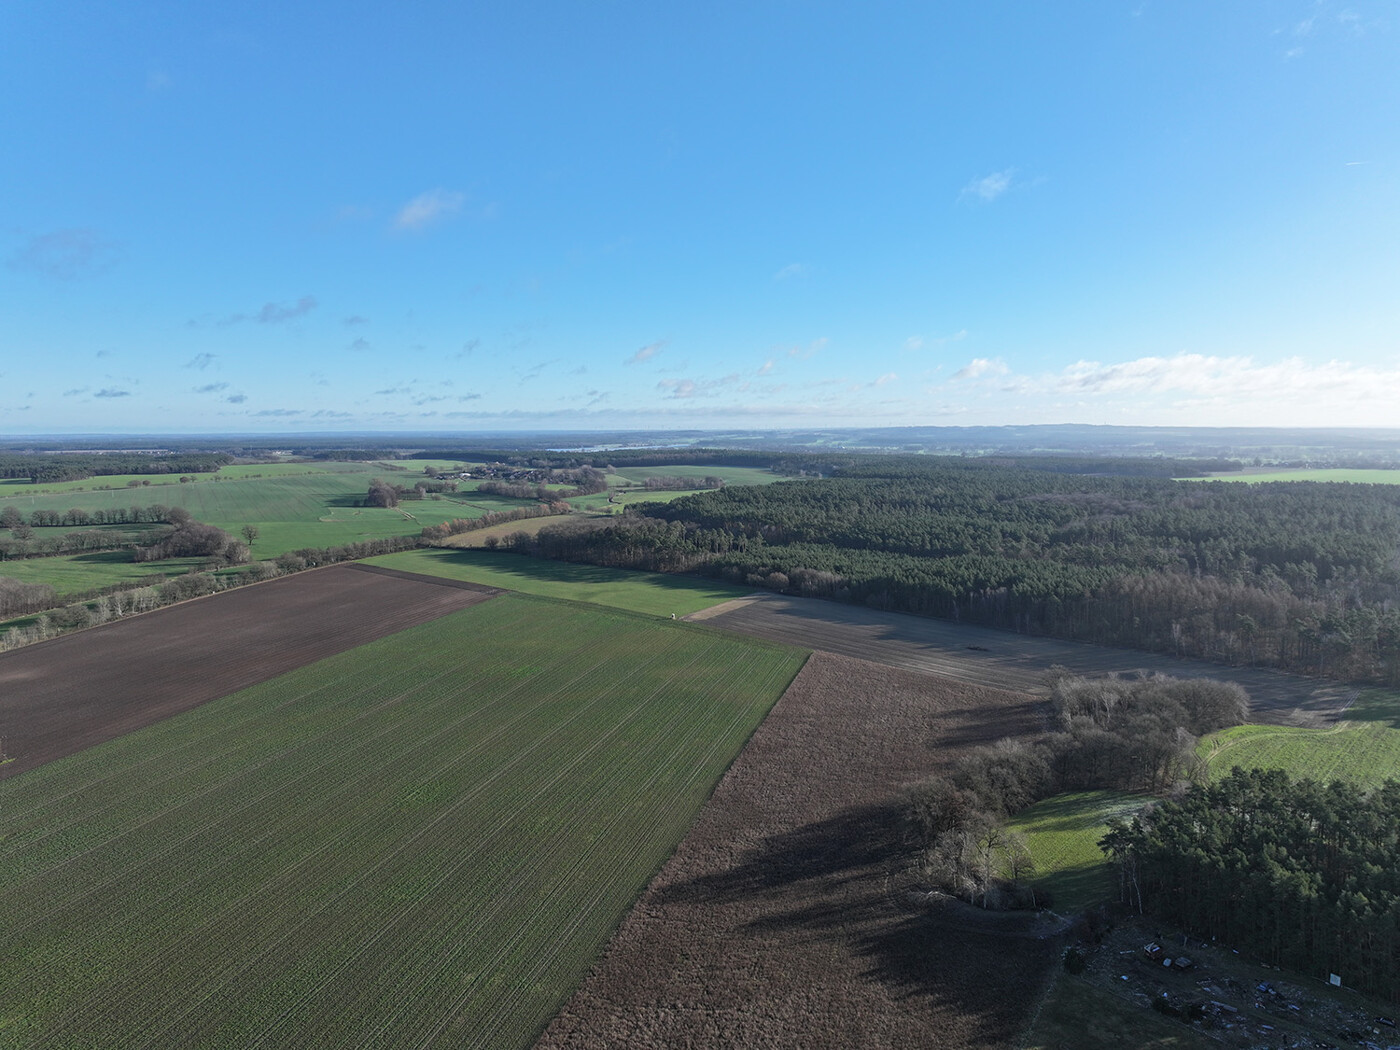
656,593
290,506
1062,835
421,841
1365,752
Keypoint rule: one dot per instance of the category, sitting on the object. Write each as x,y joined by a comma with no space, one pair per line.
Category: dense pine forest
1297,575
1298,873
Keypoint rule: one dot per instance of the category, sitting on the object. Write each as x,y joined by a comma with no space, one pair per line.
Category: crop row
411,843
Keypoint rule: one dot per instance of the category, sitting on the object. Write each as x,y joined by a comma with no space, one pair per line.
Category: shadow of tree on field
831,883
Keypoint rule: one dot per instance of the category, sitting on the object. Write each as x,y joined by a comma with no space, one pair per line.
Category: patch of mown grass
658,594
1062,834
1365,752
79,573
1376,705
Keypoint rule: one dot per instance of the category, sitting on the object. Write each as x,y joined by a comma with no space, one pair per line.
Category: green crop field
1366,752
658,594
1062,834
421,842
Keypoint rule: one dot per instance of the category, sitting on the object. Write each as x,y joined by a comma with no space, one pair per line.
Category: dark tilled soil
64,695
984,656
777,922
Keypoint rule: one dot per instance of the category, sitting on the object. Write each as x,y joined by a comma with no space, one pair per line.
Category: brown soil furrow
62,696
775,923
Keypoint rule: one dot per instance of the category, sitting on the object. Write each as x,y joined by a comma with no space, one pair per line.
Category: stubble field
779,922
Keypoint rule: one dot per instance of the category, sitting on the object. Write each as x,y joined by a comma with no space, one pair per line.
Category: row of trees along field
109,603
1297,575
1297,873
1110,733
75,466
162,532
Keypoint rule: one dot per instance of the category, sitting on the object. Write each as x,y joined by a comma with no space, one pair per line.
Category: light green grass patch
654,593
423,841
1062,834
730,475
1356,477
1376,705
79,573
1365,752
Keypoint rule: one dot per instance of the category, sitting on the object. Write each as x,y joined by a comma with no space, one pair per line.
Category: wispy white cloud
201,361
918,342
67,255
790,271
767,368
979,367
684,389
802,353
646,353
271,313
428,208
989,187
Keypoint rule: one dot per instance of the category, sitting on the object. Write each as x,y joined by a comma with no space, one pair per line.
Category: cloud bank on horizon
218,220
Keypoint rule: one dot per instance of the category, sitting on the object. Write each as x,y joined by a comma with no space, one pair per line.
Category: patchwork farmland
78,690
422,841
780,921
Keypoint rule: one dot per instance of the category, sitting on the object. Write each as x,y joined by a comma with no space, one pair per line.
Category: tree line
110,603
76,466
1297,575
457,526
1297,873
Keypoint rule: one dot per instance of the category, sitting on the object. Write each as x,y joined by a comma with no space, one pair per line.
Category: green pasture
654,593
1365,752
1376,705
1062,834
78,573
291,508
1358,477
13,487
425,841
731,475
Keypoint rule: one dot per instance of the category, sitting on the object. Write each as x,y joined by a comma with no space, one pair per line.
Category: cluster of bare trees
457,526
1125,734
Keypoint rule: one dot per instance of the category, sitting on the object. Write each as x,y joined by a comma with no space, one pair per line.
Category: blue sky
607,215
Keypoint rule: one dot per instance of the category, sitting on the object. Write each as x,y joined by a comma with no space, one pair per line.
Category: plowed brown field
64,695
776,922
984,656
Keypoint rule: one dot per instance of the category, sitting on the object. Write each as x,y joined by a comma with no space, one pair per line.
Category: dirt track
776,922
983,656
64,695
